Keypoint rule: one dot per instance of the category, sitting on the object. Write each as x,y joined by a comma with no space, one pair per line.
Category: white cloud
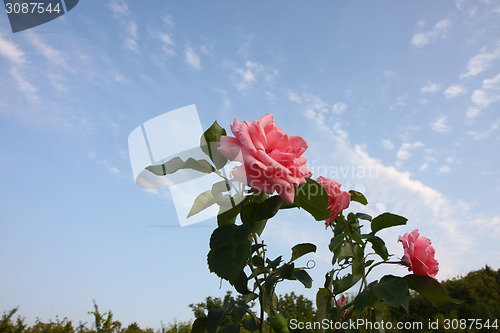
444,169
387,144
472,112
440,125
454,91
168,21
339,107
483,97
192,58
29,90
400,101
293,96
111,169
119,8
490,224
11,51
245,77
404,151
419,40
493,83
438,31
480,62
485,133
121,12
131,38
431,87
167,43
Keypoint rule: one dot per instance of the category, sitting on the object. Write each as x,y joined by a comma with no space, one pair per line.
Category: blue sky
397,99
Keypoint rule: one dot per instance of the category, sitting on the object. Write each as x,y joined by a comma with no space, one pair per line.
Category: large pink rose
271,159
338,199
419,254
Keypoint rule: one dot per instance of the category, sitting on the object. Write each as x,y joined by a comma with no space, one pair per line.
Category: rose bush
338,200
419,254
272,162
271,159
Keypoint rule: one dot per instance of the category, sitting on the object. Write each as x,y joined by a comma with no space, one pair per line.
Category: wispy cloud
404,151
387,144
250,73
57,65
440,125
431,87
10,51
444,169
339,107
488,93
438,31
120,10
482,134
28,89
481,62
191,57
454,91
111,169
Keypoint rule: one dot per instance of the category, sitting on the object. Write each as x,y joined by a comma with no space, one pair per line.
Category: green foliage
312,197
210,141
229,250
176,164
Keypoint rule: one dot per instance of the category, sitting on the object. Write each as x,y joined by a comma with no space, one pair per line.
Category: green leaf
336,241
202,201
387,220
257,261
199,325
273,264
241,284
379,247
228,217
266,209
392,290
210,141
259,212
430,288
303,277
250,324
358,197
362,300
251,297
302,249
229,250
286,271
341,285
238,312
363,216
176,164
323,302
230,328
214,318
313,198
350,250
279,323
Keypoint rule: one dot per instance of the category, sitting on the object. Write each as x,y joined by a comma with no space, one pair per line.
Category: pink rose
338,199
271,159
340,302
419,254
